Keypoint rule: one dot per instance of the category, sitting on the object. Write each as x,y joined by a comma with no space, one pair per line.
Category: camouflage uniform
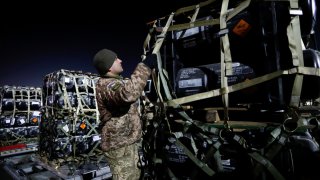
120,120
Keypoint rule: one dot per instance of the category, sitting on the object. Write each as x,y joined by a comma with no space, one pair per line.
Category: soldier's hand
151,61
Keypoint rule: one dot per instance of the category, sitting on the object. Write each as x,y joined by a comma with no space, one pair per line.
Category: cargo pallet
32,166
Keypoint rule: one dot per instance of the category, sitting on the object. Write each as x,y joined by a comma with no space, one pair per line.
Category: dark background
39,39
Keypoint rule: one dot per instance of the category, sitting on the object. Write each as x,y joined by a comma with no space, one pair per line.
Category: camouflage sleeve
130,90
105,115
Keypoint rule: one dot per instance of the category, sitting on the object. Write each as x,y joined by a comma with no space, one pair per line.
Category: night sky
30,51
38,41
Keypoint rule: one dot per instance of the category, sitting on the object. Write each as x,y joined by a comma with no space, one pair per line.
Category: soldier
120,123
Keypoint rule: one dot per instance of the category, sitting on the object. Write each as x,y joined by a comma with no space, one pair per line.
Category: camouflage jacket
117,101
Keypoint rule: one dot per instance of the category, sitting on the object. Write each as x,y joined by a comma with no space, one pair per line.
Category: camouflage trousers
123,163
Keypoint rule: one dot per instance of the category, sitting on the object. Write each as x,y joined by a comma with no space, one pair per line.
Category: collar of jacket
115,76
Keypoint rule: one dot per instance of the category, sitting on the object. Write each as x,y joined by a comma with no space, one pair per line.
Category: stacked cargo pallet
19,119
68,135
68,128
51,131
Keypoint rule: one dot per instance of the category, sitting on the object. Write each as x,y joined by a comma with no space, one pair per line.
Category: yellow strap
193,24
79,98
296,91
160,40
195,14
67,104
225,39
226,61
96,103
294,38
192,7
156,50
157,82
305,70
295,45
147,41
